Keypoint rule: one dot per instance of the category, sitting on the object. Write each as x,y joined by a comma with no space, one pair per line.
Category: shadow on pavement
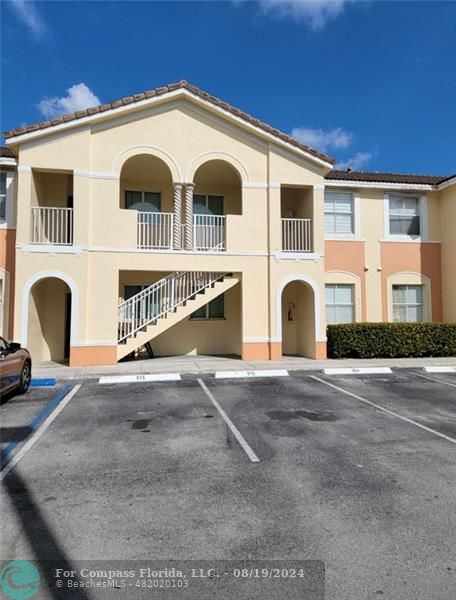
41,539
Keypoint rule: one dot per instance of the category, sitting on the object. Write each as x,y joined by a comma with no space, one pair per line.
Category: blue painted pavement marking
35,423
42,382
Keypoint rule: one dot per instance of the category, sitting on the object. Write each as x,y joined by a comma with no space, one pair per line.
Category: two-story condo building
175,221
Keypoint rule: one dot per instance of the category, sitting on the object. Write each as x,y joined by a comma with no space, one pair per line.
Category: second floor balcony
297,235
52,226
157,231
146,210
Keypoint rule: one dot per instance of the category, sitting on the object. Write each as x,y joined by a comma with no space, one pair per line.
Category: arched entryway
298,318
49,320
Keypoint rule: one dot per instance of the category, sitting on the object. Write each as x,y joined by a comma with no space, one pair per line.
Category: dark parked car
15,368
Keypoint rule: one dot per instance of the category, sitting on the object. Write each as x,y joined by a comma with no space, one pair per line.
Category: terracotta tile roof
159,91
377,177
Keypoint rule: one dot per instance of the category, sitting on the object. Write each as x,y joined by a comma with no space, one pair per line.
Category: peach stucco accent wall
400,257
7,262
92,356
347,256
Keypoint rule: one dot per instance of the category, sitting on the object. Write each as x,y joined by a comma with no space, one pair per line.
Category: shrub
391,340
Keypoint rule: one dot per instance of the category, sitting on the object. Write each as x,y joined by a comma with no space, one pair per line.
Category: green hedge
391,340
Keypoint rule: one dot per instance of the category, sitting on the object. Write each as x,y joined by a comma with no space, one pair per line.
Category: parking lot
357,471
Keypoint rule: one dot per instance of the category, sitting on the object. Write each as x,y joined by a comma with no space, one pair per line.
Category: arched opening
218,189
49,320
146,187
298,320
146,184
217,193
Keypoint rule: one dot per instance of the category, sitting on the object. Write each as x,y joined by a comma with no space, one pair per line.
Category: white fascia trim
96,175
49,249
173,252
405,187
135,106
447,183
24,169
261,186
315,256
6,161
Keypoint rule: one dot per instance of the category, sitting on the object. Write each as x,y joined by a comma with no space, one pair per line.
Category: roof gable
111,108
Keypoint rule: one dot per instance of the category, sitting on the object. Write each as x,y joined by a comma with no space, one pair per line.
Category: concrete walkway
210,364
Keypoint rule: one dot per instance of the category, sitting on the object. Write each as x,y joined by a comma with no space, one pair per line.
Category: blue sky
371,83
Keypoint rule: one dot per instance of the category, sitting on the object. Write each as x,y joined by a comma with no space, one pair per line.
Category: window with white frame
408,303
340,304
339,217
404,215
2,196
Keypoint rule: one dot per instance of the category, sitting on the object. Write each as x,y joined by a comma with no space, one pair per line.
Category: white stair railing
160,298
297,235
155,230
52,225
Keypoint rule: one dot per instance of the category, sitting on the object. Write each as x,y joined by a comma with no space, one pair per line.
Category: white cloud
314,13
323,140
355,163
79,97
26,12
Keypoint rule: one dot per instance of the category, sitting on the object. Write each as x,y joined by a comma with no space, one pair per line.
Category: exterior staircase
164,303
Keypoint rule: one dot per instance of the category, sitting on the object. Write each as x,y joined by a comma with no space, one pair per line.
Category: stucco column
26,198
177,238
189,187
81,209
318,218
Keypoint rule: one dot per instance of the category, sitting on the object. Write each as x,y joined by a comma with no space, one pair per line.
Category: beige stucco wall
105,234
259,181
447,224
219,336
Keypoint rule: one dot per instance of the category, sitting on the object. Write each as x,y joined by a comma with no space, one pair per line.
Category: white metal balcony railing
208,232
155,231
297,235
160,298
51,225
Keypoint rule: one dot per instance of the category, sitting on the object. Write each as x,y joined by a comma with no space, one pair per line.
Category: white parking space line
140,378
385,410
254,373
440,369
357,371
234,430
39,432
433,379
